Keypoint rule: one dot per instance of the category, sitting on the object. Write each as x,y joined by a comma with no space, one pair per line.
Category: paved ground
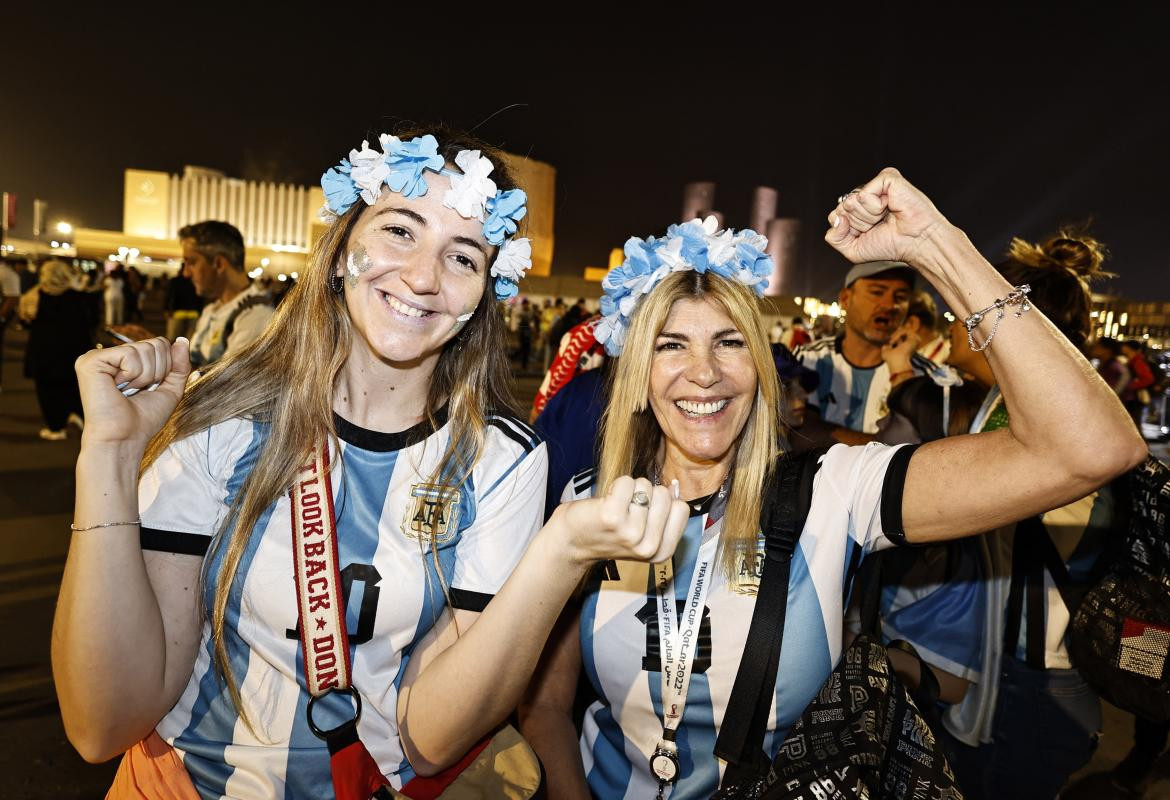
36,496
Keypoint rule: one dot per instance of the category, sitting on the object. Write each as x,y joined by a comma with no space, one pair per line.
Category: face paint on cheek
359,261
461,320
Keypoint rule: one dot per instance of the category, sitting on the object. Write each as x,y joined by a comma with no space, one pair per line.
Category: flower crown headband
400,166
695,245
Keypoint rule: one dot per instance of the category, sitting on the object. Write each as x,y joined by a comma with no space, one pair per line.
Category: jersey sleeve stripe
507,473
583,481
191,544
528,442
467,600
892,489
519,425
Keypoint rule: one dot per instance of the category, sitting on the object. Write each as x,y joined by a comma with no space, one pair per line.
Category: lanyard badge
678,639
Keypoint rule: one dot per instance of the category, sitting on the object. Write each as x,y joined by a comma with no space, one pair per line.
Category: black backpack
862,736
1119,636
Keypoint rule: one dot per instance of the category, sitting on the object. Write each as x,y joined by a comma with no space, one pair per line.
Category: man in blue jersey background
854,380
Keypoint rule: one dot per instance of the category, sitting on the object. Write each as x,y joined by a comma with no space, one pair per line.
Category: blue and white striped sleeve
509,512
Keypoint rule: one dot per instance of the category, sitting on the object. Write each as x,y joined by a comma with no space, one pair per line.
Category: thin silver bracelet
1018,296
73,526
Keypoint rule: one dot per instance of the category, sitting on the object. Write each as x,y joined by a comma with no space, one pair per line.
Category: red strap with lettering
321,610
325,643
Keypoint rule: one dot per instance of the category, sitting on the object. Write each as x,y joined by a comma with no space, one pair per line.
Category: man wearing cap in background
854,381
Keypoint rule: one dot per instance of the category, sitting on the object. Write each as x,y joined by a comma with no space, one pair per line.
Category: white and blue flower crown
400,167
695,245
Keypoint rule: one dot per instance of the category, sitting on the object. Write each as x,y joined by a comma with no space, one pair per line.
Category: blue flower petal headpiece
696,245
401,167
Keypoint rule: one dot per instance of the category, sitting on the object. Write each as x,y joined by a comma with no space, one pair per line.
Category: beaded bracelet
73,526
1018,296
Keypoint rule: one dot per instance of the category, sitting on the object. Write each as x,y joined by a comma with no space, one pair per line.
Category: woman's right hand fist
106,377
617,526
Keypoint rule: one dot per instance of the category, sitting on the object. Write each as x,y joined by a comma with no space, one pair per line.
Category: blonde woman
694,400
178,635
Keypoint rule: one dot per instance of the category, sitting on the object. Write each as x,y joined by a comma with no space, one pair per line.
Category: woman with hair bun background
1028,720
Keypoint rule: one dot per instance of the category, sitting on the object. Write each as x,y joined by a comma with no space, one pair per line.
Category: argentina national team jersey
857,498
386,509
847,395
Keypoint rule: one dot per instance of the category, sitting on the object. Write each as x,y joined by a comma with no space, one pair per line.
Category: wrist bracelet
1018,296
73,526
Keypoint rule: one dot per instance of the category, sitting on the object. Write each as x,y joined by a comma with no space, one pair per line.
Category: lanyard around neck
678,635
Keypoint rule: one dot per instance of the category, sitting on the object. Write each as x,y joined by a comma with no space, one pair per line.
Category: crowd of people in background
982,613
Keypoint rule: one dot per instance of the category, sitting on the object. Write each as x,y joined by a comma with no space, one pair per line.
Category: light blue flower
506,289
408,160
340,190
693,236
503,212
694,245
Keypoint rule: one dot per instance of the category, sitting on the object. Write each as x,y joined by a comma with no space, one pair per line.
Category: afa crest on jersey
432,514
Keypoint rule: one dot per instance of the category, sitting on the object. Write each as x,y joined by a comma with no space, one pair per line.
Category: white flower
642,284
754,239
710,225
470,191
513,260
721,248
369,171
325,214
670,255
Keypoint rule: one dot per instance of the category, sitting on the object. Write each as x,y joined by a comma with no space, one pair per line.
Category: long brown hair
630,432
286,379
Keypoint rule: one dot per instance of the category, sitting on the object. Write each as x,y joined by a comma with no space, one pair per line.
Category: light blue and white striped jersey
847,395
856,499
386,509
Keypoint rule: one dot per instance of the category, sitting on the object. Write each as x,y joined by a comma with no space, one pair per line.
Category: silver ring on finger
640,498
845,196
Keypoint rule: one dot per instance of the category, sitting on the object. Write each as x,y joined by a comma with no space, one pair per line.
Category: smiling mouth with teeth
692,409
403,308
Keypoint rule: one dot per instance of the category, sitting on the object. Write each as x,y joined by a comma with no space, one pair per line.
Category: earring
336,283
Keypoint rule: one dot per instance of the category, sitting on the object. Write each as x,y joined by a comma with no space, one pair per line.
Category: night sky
1013,123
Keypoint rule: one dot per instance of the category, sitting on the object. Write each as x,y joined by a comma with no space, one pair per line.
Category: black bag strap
786,507
1032,552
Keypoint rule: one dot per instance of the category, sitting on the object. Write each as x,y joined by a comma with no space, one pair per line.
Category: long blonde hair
287,378
631,435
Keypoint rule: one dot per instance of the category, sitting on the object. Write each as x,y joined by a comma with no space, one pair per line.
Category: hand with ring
634,521
885,219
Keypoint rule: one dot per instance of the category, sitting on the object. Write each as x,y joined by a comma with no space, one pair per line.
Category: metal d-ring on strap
357,712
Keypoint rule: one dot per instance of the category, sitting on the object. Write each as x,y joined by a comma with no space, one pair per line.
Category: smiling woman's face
414,273
702,381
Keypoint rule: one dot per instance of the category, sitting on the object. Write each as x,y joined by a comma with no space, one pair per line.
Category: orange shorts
151,770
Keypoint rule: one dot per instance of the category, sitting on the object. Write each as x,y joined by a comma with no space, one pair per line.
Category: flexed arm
125,630
1069,433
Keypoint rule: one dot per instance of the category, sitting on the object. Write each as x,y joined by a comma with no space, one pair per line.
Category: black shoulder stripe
467,600
922,363
512,434
584,481
191,544
892,489
520,425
